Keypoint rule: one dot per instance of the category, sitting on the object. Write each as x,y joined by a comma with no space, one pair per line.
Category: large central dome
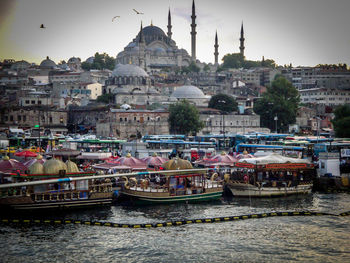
153,31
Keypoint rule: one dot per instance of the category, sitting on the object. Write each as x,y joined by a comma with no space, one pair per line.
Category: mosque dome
74,60
90,60
48,64
153,31
53,166
20,65
128,70
160,51
188,92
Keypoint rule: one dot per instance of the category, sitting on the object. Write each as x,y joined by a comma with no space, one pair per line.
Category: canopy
8,165
39,159
64,152
134,163
177,164
26,154
220,159
244,155
273,158
154,160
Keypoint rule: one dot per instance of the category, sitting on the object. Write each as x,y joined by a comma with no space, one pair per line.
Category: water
274,239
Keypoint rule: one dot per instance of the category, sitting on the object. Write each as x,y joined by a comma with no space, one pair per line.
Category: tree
341,121
184,118
223,102
237,60
193,67
281,99
206,68
106,98
101,61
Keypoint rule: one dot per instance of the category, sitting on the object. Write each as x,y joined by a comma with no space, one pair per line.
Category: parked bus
263,149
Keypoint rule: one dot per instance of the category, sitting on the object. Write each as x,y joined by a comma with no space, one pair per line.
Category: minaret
141,48
241,47
169,25
216,46
193,32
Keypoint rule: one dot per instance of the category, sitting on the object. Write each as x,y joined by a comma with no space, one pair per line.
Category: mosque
154,50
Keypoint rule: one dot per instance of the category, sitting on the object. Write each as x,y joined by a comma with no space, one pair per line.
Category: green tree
193,67
223,102
281,99
341,121
234,60
237,60
101,61
206,68
106,98
184,118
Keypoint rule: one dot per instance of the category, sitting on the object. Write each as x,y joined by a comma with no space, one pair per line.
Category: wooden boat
38,192
189,186
54,185
173,186
272,175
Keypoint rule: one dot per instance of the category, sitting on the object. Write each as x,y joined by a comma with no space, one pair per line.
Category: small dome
74,60
90,60
36,168
72,167
48,64
128,70
188,92
53,166
131,45
20,65
160,51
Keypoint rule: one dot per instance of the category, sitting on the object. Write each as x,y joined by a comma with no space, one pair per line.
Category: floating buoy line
23,221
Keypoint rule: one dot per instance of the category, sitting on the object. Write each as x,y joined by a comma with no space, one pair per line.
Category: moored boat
173,186
272,175
54,185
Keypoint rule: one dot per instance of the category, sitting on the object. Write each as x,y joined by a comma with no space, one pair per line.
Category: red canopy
219,159
244,156
8,165
133,162
26,154
154,160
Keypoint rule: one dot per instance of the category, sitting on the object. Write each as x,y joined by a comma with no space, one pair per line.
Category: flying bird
137,12
115,18
42,26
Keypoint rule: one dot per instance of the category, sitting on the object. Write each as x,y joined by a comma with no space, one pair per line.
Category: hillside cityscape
129,96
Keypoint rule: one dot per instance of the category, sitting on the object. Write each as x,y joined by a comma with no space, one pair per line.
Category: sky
301,32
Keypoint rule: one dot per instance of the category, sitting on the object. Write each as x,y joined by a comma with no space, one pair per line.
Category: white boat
272,175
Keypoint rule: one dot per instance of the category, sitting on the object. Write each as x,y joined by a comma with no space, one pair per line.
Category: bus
263,149
340,147
164,137
184,148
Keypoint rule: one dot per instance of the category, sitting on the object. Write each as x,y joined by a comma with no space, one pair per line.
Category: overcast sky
301,32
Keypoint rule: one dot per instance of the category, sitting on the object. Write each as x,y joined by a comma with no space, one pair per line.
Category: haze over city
299,32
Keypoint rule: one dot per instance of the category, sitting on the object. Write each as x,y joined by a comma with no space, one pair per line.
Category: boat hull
140,198
249,190
26,203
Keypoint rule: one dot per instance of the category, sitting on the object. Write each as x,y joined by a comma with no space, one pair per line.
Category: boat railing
60,196
50,195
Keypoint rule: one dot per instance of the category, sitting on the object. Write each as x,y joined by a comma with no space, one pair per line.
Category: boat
272,175
178,182
54,185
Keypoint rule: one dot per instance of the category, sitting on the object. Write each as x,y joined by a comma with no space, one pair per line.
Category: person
157,179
